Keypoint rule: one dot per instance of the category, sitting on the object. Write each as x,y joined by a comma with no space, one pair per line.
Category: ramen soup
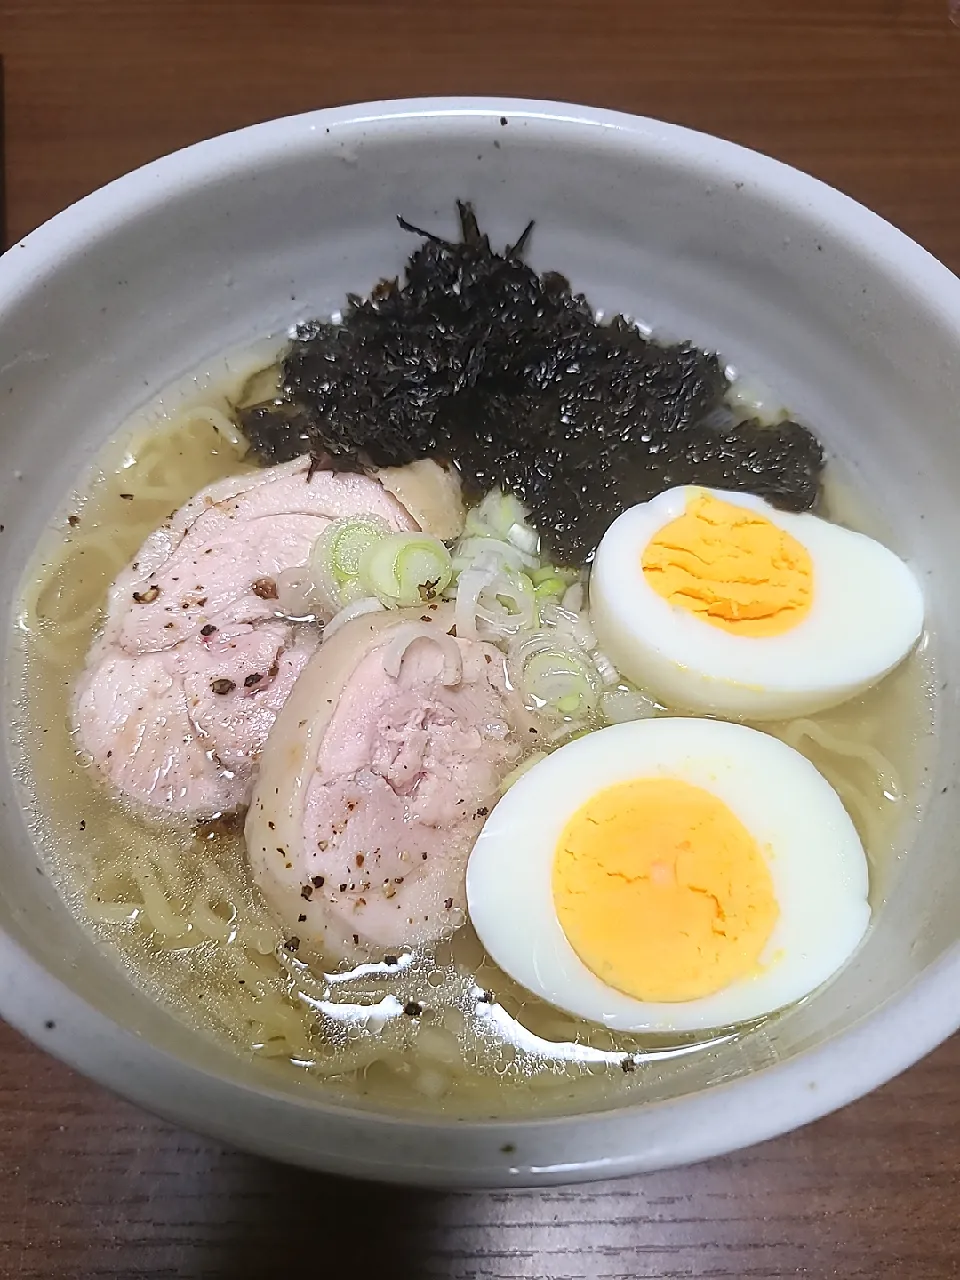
470,703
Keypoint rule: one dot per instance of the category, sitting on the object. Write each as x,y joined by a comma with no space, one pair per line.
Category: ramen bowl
208,249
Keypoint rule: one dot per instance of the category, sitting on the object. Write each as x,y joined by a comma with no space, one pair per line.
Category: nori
478,360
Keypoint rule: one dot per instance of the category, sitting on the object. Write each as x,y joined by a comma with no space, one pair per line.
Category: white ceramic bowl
853,324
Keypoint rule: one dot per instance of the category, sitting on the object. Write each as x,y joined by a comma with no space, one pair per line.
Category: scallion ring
406,569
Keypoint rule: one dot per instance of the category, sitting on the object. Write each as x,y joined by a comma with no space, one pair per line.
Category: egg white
816,861
866,616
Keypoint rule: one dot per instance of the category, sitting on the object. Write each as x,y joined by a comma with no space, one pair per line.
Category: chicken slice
374,786
194,663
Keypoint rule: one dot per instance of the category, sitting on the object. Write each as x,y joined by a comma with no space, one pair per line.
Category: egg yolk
732,567
662,891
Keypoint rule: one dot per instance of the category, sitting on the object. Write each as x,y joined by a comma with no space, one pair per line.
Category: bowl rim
414,1148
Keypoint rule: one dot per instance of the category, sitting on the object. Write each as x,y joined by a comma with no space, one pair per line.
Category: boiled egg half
670,875
718,603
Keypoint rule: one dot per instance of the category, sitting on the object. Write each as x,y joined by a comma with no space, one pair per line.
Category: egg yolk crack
662,891
732,567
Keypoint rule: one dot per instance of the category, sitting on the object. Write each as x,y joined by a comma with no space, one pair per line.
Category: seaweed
478,360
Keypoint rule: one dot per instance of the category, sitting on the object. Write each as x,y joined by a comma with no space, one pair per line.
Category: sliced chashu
179,732
373,785
216,561
182,688
431,493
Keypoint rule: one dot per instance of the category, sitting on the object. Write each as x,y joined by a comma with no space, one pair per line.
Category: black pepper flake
254,678
487,658
83,825
50,1024
292,944
412,1009
627,1065
485,997
448,904
390,960
356,939
317,882
322,845
482,812
270,823
306,891
423,856
73,521
301,918
127,497
148,596
265,588
508,1148
533,730
223,685
343,888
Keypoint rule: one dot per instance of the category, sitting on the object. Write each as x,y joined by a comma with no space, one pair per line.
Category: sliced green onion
515,592
490,551
496,515
560,682
346,542
524,538
566,576
550,588
336,555
406,569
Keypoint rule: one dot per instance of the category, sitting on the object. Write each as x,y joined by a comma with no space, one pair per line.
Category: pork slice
163,735
372,796
217,559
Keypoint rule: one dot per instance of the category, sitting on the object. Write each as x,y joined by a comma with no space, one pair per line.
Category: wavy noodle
887,777
875,787
223,425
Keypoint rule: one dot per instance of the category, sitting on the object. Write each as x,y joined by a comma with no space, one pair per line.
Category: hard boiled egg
717,602
670,875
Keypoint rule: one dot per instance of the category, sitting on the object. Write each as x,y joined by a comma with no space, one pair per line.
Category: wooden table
863,93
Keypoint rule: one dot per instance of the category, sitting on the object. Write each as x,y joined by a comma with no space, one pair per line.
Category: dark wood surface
863,93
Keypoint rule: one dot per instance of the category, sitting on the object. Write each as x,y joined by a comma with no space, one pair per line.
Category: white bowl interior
853,326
